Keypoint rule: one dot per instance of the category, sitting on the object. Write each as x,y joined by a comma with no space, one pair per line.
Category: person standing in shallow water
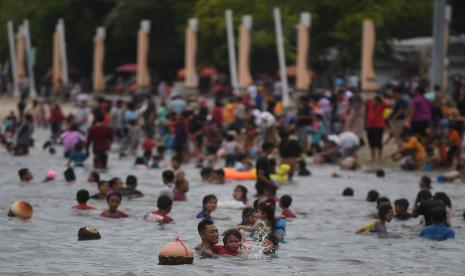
263,168
100,136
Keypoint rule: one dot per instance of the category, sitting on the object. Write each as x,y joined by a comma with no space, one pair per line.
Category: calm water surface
322,243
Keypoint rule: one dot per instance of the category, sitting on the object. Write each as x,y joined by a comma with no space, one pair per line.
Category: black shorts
375,137
419,128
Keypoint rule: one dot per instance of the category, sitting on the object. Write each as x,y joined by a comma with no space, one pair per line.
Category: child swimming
130,191
25,175
209,203
82,196
401,209
285,202
264,225
240,194
180,190
164,204
103,188
113,201
385,214
232,242
168,184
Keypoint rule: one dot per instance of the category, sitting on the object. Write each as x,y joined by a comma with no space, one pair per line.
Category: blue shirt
437,232
280,228
203,215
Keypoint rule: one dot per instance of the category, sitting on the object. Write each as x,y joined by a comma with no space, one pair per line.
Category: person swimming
82,196
379,226
113,201
232,241
209,203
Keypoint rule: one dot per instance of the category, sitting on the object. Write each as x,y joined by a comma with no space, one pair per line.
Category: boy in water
113,201
180,190
401,209
168,181
164,204
232,242
438,231
130,191
103,188
25,175
209,203
82,196
285,202
94,177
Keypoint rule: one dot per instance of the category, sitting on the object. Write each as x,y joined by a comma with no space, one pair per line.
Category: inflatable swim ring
280,177
233,174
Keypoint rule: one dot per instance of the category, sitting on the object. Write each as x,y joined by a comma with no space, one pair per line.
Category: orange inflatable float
233,174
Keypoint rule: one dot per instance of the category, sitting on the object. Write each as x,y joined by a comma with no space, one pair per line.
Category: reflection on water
321,243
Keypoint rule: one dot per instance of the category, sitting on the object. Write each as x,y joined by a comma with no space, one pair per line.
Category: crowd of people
253,136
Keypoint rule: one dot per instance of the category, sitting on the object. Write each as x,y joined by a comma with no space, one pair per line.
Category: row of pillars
240,75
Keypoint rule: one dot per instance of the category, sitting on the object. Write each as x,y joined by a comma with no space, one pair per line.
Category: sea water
321,243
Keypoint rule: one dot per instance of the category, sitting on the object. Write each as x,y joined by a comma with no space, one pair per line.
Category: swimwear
158,216
203,215
221,250
119,214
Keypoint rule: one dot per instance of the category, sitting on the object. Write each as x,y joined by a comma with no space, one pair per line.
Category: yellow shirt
415,145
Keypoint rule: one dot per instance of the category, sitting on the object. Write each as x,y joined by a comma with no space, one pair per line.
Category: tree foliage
336,25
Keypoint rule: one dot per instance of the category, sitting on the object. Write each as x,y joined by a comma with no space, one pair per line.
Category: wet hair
381,201
372,196
101,183
22,173
164,202
95,175
113,194
402,202
207,198
167,176
269,213
204,172
203,225
444,198
383,210
285,201
82,196
244,192
348,192
426,182
439,215
424,195
231,232
380,173
246,213
131,180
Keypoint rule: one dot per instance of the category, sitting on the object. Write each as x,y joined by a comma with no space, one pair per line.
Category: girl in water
113,200
240,194
232,242
385,214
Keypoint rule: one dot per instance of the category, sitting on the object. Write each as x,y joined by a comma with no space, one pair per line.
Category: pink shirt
71,138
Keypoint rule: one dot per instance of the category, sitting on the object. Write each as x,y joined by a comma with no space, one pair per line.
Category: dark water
322,243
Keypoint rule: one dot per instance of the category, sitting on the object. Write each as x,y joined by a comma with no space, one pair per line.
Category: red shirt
83,206
288,213
179,197
221,250
217,115
56,115
375,114
164,217
148,145
119,214
100,136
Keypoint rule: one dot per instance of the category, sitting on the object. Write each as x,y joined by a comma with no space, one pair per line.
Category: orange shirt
454,138
415,145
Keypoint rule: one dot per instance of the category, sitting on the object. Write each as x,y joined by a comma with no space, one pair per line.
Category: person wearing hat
263,168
